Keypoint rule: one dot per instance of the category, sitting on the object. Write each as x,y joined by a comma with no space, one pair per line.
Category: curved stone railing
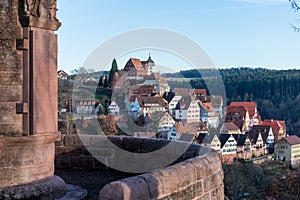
197,174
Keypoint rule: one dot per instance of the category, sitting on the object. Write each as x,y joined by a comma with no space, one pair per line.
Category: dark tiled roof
201,137
183,103
223,139
209,137
264,136
168,96
261,129
240,138
253,136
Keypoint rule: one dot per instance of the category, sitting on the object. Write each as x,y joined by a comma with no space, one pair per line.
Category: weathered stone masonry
197,174
28,98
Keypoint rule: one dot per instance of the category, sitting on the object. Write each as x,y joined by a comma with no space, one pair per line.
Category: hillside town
144,105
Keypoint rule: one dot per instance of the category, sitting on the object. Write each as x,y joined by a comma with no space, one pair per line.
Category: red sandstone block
198,188
126,189
70,151
202,166
213,181
217,193
187,175
206,196
169,179
14,93
214,158
186,193
10,78
60,142
154,185
73,141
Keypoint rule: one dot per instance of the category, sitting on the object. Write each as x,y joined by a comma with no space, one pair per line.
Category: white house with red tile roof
279,128
288,150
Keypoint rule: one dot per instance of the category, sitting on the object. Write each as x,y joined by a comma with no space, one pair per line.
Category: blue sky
252,33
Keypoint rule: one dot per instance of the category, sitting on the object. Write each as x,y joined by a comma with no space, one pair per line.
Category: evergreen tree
113,70
100,83
105,84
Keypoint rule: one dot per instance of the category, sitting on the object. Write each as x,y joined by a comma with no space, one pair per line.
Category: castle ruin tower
28,100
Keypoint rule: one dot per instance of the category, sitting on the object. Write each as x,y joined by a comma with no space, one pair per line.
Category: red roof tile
275,124
200,92
181,91
143,89
251,106
230,126
236,109
134,63
292,140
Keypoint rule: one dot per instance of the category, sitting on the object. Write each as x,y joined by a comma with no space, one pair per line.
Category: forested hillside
277,92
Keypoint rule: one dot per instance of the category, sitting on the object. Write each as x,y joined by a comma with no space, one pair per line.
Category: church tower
151,65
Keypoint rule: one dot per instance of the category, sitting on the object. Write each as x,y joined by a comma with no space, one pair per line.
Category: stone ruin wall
11,75
194,176
28,96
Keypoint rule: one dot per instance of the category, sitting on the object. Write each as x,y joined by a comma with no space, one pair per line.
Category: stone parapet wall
197,174
195,178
